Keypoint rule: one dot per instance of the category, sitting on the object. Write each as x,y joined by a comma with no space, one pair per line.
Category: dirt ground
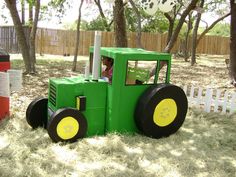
210,72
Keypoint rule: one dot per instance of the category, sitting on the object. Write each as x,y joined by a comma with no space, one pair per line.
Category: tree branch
98,3
211,26
173,38
139,32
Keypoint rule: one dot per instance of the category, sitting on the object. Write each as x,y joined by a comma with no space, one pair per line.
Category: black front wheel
36,113
67,125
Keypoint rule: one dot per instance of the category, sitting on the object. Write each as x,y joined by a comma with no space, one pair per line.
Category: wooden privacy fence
62,42
8,39
211,100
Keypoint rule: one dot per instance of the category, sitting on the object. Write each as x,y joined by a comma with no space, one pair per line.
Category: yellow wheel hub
67,128
165,112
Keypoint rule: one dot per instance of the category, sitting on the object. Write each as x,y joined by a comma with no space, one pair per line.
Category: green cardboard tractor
134,102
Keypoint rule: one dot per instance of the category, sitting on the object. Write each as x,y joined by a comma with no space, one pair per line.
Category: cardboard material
15,79
4,84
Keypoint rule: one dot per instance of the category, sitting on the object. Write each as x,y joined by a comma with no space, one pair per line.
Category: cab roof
132,53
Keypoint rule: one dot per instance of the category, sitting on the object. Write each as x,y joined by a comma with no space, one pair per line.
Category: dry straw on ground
204,146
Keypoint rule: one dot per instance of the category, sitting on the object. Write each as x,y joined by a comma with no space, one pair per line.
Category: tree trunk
23,12
233,42
171,19
77,37
32,37
120,24
186,47
171,26
11,4
139,29
184,43
173,38
194,38
30,13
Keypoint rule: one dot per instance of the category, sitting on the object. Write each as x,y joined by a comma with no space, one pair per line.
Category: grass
204,146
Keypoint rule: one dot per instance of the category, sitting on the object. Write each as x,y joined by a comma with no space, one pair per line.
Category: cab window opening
107,68
146,72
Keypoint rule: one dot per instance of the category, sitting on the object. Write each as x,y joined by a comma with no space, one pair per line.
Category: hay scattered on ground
204,146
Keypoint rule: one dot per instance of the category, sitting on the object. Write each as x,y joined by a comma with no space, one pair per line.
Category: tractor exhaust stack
96,56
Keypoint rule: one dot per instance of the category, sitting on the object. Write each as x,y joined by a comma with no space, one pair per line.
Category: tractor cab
130,78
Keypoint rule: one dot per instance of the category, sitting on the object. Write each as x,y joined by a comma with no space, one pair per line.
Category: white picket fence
211,100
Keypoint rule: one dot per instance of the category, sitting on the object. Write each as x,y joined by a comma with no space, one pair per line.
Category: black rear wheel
36,113
161,110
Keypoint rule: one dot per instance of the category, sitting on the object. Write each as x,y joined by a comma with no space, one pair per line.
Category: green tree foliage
221,29
3,13
157,23
184,30
131,19
56,8
96,24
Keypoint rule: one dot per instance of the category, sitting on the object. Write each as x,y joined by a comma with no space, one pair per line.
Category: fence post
185,88
227,102
224,105
208,100
199,96
233,104
191,95
216,105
